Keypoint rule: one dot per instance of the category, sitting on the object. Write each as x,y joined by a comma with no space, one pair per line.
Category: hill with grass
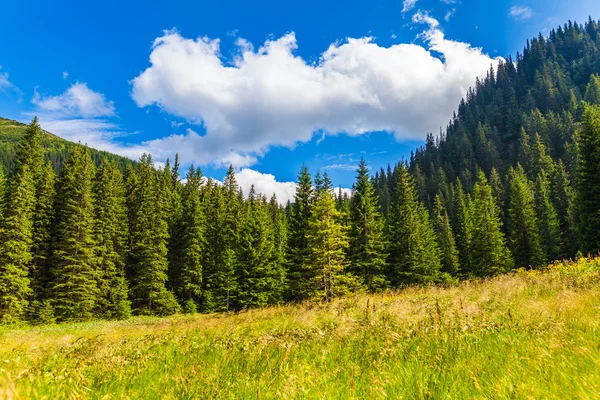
527,334
56,149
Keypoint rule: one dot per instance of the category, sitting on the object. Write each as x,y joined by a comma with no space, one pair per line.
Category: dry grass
524,335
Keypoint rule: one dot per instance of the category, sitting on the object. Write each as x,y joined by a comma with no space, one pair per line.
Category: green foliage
489,254
327,243
15,247
74,288
523,233
588,181
298,248
366,251
445,238
551,236
149,234
414,256
110,234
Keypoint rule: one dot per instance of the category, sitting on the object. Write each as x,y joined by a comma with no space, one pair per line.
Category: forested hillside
513,181
56,149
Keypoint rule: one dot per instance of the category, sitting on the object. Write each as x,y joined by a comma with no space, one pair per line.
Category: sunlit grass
531,334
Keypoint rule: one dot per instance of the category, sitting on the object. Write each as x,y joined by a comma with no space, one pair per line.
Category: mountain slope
57,149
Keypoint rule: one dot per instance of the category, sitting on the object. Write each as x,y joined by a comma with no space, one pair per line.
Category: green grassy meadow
529,334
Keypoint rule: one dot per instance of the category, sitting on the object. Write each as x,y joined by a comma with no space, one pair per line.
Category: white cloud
408,5
65,75
6,85
78,100
520,13
272,97
449,14
343,167
265,184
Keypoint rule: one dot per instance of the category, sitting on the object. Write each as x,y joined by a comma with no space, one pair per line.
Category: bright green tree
592,91
366,252
489,254
563,197
74,291
414,256
327,243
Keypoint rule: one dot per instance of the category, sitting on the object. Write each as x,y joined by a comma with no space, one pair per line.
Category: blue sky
264,85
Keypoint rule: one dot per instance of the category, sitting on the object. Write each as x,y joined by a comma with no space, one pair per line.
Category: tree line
514,181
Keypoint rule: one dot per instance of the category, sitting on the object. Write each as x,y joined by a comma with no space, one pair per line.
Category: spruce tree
149,235
564,202
298,250
489,254
366,252
225,287
523,233
327,243
257,272
42,232
280,238
462,227
588,181
188,282
592,91
110,233
551,235
73,289
15,247
445,238
414,256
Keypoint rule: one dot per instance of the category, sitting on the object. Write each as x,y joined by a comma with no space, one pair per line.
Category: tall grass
529,334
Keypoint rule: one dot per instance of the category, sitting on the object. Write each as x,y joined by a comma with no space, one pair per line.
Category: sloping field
523,335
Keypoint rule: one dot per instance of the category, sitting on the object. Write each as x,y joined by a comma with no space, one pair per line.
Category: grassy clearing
523,335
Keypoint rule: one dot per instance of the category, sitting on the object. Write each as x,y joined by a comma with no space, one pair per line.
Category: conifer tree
149,235
551,236
563,196
16,231
462,228
42,236
588,181
327,243
258,276
189,277
445,238
414,256
225,287
15,247
110,233
73,289
366,252
592,91
280,238
214,213
489,254
298,249
524,237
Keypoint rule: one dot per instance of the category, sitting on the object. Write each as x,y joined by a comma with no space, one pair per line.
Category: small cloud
449,1
6,85
176,124
520,13
394,36
449,14
65,75
408,5
342,167
76,101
